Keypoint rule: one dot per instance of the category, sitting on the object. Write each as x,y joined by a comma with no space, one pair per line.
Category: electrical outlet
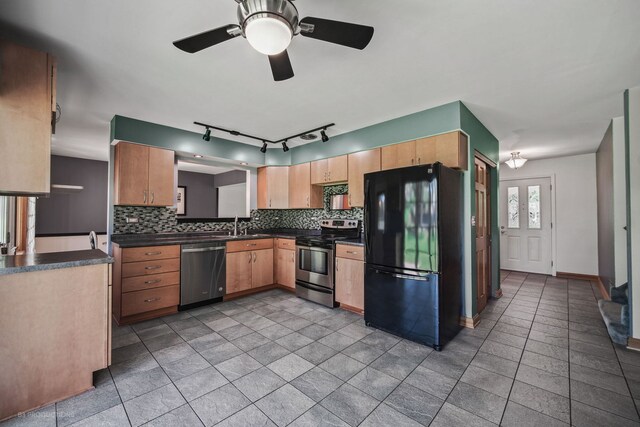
131,220
473,221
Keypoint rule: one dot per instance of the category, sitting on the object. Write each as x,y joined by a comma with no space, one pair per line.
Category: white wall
68,243
634,205
619,201
576,223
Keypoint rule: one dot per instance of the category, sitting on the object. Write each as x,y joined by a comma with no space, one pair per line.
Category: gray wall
74,213
201,194
202,191
604,186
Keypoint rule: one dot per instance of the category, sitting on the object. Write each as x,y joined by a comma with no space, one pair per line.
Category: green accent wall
482,141
141,132
434,121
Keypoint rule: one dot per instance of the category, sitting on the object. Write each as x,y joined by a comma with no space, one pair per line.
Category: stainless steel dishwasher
203,273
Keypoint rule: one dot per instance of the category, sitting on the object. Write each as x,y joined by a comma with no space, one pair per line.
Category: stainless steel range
315,260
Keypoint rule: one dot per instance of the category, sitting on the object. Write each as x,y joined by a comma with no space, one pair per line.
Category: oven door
314,265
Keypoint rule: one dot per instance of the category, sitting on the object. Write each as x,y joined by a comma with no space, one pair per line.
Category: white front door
525,225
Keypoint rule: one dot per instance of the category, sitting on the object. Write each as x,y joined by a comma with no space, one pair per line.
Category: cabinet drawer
148,253
150,299
249,245
287,244
351,252
150,281
144,268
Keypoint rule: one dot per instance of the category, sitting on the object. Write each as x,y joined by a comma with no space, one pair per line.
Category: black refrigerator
413,223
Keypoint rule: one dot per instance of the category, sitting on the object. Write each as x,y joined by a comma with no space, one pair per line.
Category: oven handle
314,249
313,287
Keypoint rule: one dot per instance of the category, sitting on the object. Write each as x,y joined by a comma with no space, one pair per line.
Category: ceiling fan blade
342,33
207,39
281,66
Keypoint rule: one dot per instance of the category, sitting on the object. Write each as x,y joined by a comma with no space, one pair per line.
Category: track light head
207,135
263,149
284,147
324,136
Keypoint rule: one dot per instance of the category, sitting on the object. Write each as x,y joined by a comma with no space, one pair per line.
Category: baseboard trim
470,322
576,276
603,290
355,310
285,288
239,294
633,344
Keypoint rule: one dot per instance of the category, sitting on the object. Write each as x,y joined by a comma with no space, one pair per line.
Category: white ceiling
545,76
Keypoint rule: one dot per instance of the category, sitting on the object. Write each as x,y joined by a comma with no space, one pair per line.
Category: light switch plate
473,221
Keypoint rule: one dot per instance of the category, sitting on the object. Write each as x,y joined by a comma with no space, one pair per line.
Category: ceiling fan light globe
267,35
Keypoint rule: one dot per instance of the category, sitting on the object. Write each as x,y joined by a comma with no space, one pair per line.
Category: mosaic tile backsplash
164,219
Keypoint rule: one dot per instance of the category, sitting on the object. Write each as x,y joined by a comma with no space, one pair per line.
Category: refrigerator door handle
404,276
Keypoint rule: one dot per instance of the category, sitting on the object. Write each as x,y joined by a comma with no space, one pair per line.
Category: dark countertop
352,242
159,239
11,264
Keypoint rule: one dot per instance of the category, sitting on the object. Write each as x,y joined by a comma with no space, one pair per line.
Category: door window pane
513,207
534,206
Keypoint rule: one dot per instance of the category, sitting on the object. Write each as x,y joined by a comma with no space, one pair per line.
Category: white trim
554,227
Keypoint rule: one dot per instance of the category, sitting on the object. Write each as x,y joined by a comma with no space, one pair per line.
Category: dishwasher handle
207,249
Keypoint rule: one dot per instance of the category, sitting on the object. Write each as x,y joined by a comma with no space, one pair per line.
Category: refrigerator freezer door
401,218
403,304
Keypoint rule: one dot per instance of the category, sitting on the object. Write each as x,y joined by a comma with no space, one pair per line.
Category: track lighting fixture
207,135
303,135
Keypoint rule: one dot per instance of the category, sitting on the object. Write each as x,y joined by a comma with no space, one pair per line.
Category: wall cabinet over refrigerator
359,164
273,187
449,148
27,115
329,171
303,195
144,176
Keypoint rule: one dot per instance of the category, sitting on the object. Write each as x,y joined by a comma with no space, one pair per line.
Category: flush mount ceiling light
207,135
515,161
306,135
269,26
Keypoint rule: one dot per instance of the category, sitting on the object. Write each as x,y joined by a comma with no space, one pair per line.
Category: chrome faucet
235,227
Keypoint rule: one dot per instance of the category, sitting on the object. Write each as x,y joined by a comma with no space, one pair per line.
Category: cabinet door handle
249,257
254,257
153,253
307,201
152,299
144,194
329,175
336,264
293,258
419,160
251,244
269,202
413,161
150,282
352,252
153,196
153,267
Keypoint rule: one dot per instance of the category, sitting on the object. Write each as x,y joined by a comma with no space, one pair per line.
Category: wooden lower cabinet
349,277
286,268
248,268
146,282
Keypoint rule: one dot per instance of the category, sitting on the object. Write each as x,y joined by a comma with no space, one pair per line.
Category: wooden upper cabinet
399,155
131,174
301,193
329,171
161,177
144,176
451,149
359,164
426,150
273,187
27,99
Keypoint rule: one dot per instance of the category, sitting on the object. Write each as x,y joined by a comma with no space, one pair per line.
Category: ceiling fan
269,26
